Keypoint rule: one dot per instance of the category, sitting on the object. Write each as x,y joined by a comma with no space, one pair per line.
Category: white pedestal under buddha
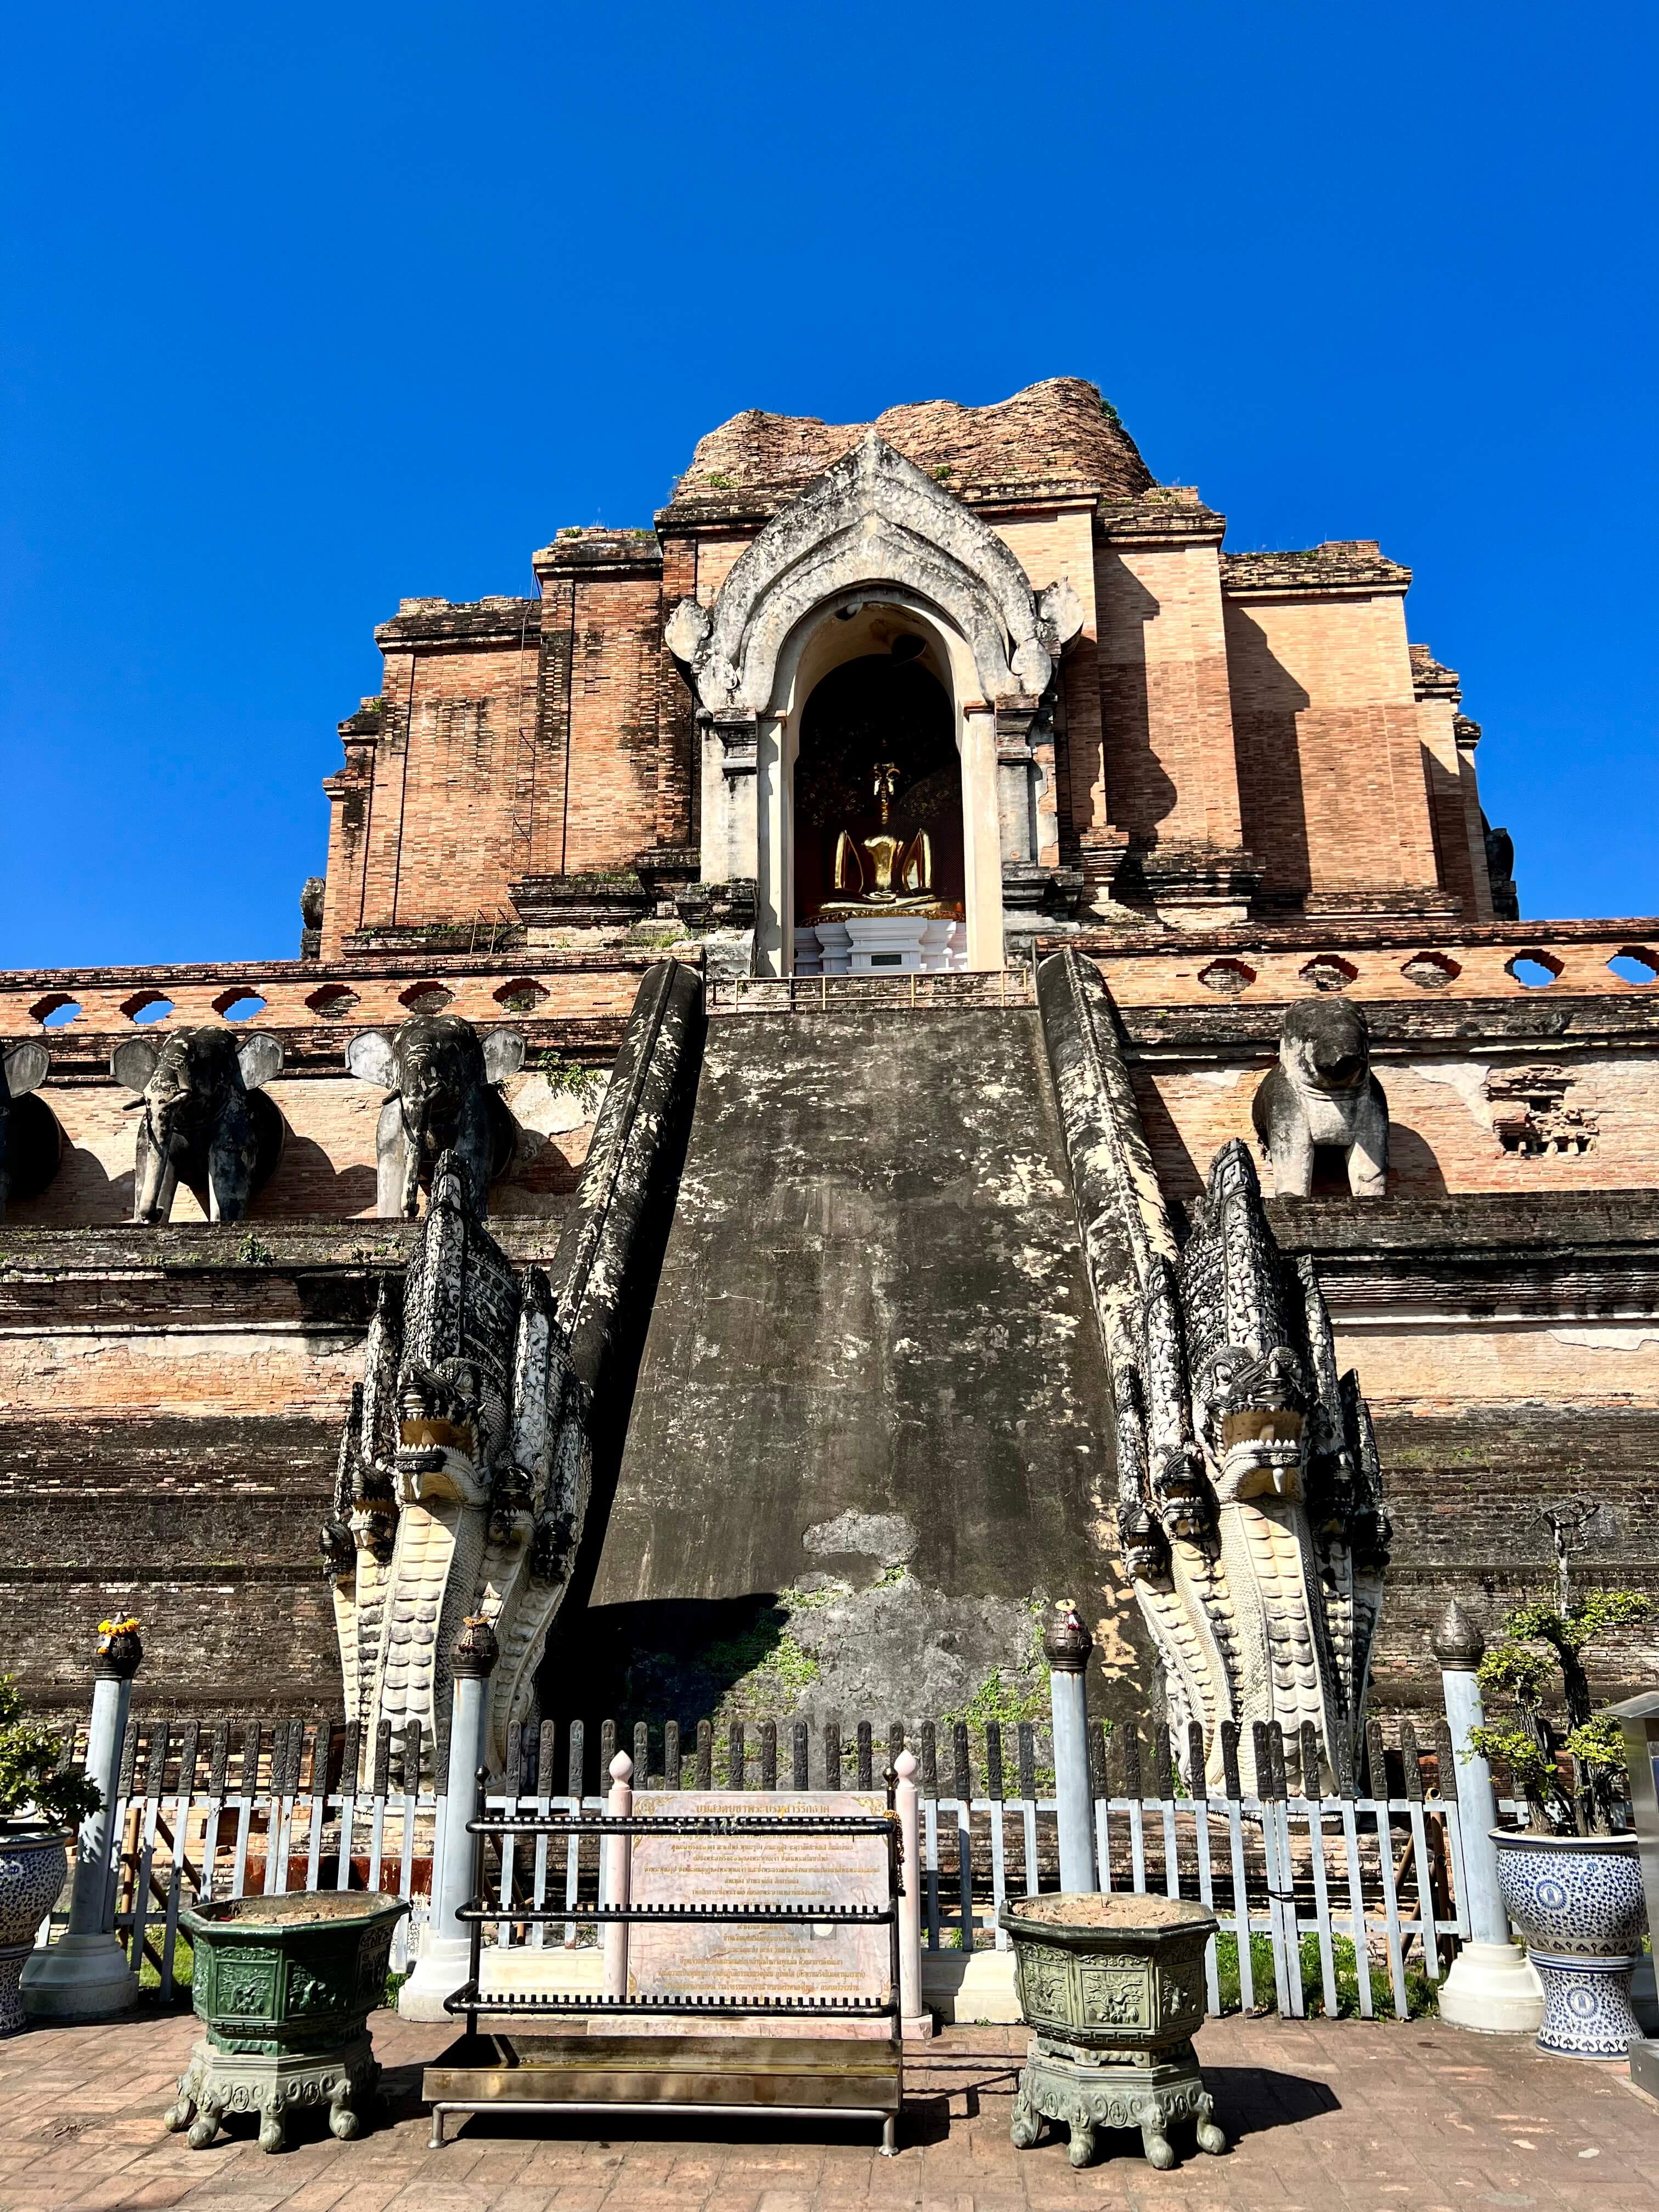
884,918
878,944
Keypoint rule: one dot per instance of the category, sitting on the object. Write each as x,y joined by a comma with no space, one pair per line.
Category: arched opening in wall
1535,971
522,994
1637,964
1328,971
879,874
1229,977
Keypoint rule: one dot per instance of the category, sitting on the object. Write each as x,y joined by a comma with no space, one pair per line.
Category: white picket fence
1353,1901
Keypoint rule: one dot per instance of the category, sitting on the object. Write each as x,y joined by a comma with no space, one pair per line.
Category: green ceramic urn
1112,1987
1110,1973
284,1986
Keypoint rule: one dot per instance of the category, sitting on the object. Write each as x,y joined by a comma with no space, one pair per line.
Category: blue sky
306,310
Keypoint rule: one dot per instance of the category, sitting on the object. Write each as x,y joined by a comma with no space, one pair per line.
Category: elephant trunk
153,1171
415,1142
164,1118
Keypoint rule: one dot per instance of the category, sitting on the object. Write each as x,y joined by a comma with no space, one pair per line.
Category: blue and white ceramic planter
1578,1901
33,1862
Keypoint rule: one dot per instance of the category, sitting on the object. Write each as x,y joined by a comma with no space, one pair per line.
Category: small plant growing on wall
34,1791
1542,1641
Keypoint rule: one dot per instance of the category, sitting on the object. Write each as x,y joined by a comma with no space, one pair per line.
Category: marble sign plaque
787,1960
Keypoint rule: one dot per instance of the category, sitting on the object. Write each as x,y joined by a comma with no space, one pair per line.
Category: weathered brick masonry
1248,784
1255,722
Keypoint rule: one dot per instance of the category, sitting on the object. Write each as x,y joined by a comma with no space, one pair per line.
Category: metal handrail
682,1824
470,2000
918,990
838,1915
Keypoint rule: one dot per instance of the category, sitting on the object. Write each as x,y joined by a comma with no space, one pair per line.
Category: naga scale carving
466,1459
1249,1495
464,1475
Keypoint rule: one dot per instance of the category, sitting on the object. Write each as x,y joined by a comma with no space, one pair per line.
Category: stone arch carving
872,518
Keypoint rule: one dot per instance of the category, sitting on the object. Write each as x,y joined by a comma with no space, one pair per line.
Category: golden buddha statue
882,874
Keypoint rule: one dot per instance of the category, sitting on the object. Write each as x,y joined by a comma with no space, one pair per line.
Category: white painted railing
1307,1889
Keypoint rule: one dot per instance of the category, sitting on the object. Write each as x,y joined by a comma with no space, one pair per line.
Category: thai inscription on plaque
761,1961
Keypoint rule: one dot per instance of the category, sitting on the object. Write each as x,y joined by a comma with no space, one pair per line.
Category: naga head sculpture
200,1124
463,1475
1242,1457
1249,1496
441,1076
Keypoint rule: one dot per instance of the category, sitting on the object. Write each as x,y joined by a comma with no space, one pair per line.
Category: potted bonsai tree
40,1803
1570,1882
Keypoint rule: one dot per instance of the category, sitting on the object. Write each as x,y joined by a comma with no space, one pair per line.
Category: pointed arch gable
872,518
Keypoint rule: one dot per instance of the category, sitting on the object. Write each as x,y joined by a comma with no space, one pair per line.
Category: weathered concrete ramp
870,1425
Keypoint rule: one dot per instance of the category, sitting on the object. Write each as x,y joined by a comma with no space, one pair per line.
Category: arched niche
871,539
877,753
853,628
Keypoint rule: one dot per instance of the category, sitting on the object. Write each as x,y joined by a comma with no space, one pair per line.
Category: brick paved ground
1320,2115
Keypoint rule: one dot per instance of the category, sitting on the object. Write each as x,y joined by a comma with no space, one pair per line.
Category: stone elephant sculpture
443,1076
31,1142
203,1121
1323,1093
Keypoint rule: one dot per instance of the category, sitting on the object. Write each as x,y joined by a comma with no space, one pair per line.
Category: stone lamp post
1490,1986
1066,1644
445,1953
85,1974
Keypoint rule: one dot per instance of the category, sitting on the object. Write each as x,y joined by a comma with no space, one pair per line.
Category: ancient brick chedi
689,906
1145,723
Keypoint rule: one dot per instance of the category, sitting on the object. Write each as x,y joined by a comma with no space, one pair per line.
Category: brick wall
327,1168
303,1001
172,1408
1442,1133
1446,771
172,1401
609,811
1049,548
716,557
555,736
1467,1489
678,775
1329,746
440,843
1242,974
1170,770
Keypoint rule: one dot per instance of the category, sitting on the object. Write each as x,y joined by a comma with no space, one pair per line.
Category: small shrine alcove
878,865
874,560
